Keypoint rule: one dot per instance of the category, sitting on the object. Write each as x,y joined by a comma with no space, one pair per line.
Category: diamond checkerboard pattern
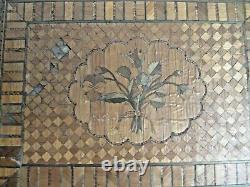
52,134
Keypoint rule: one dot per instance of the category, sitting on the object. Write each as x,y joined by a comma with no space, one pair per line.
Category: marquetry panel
222,71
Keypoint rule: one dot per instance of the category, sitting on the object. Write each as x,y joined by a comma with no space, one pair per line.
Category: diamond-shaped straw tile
46,156
68,155
35,157
102,153
57,156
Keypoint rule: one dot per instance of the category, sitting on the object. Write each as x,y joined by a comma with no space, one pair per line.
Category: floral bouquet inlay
136,91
